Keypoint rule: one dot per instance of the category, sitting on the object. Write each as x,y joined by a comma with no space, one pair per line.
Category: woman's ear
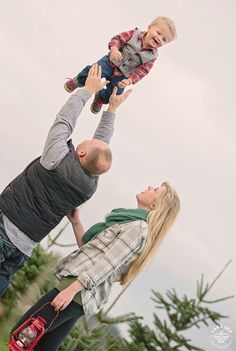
153,206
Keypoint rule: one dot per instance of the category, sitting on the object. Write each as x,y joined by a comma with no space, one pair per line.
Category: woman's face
147,198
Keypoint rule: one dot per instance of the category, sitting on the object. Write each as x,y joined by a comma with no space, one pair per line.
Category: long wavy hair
159,222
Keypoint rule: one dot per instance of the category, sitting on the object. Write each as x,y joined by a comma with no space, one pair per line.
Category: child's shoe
97,104
71,85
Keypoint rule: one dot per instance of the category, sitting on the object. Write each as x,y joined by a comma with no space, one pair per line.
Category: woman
113,251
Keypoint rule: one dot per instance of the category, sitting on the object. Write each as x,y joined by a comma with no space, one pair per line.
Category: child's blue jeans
107,72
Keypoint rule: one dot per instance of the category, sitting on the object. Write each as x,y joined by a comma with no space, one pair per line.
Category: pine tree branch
118,297
219,300
219,275
53,241
64,245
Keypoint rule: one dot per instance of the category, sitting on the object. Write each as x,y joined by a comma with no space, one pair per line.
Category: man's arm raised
56,143
105,128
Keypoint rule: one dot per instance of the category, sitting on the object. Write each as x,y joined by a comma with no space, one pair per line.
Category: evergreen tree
182,313
23,279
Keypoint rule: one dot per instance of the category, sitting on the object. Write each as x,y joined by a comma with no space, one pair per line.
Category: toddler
131,56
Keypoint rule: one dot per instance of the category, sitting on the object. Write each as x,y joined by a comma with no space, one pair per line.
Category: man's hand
115,54
125,82
93,82
116,100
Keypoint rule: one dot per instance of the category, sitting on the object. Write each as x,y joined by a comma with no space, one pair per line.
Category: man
54,184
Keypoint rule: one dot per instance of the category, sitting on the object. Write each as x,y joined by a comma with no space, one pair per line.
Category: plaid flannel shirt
103,261
140,71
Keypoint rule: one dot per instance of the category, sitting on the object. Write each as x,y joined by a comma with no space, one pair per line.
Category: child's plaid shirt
103,261
143,69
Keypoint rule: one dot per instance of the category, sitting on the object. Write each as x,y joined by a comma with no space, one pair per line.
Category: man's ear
81,153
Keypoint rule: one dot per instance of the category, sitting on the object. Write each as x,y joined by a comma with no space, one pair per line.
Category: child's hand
115,54
124,83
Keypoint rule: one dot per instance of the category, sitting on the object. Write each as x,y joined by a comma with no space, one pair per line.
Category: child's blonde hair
159,222
169,22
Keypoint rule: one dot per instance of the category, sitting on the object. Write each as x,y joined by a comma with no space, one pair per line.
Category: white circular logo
221,336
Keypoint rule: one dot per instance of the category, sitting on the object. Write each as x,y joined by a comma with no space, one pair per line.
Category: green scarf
118,215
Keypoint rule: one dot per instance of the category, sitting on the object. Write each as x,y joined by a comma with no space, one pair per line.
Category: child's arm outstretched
125,82
137,74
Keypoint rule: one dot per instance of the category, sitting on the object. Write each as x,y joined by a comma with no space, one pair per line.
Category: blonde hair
169,22
159,222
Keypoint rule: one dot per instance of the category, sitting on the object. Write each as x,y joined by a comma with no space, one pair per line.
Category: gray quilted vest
133,56
37,199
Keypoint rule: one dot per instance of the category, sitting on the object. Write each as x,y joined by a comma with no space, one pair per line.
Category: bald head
95,156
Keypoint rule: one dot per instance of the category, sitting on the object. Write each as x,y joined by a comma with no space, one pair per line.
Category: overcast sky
178,125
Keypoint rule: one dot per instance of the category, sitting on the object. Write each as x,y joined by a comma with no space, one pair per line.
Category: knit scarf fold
118,215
